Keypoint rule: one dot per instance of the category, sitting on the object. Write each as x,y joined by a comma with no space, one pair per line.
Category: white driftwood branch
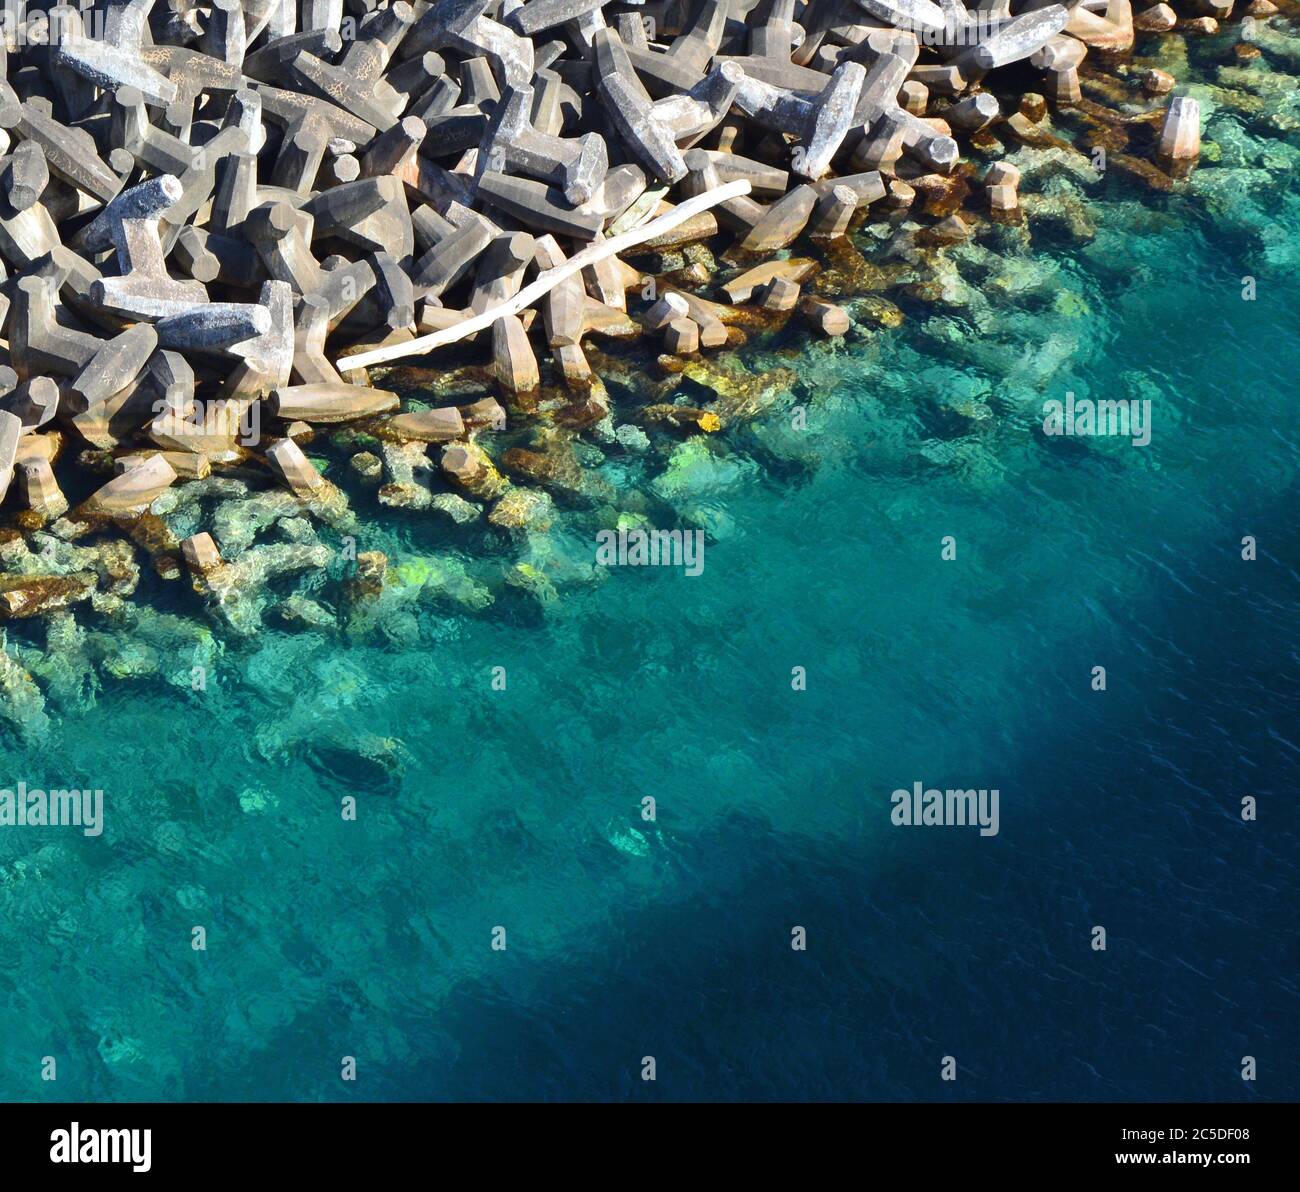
543,283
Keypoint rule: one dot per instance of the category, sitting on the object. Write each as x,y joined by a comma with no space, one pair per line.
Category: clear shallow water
625,939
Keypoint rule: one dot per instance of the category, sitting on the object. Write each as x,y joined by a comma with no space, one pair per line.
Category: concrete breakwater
212,214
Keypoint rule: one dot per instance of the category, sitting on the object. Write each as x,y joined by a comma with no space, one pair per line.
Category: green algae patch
694,470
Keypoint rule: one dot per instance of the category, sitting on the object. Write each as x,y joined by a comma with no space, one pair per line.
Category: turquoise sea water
521,808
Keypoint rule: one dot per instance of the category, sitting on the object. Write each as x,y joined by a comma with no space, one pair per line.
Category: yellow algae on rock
878,310
529,579
469,467
523,509
740,395
682,417
849,273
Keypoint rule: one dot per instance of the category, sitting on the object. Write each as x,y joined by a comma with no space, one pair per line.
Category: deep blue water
521,808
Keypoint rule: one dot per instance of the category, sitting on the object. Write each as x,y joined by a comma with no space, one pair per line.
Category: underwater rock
406,467
1063,209
36,595
535,582
368,466
123,659
384,598
633,438
523,509
871,308
236,590
236,522
328,503
555,468
689,418
461,511
22,705
1227,193
740,396
368,582
109,562
302,612
694,472
469,467
65,666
